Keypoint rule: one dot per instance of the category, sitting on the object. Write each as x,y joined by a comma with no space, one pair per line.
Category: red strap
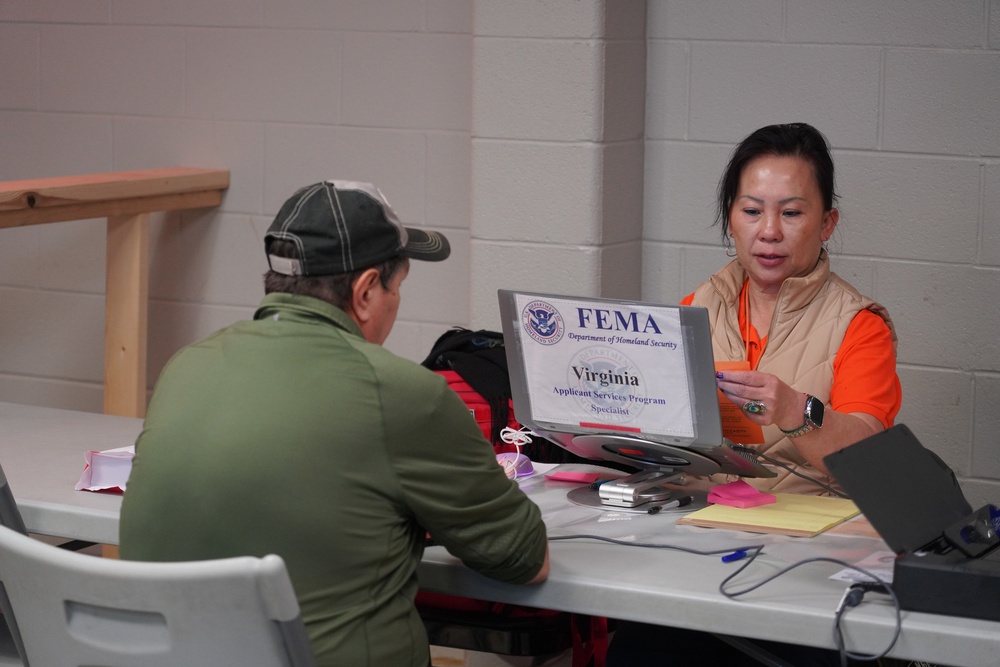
590,640
479,407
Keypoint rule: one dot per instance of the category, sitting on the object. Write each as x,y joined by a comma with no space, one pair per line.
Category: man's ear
361,295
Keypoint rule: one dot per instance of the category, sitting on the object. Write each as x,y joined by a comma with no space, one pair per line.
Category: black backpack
475,365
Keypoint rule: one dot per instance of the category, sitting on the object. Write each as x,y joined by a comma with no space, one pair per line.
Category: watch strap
796,432
809,424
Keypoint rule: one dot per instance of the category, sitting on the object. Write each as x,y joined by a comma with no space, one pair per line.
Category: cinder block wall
557,149
909,97
282,93
565,145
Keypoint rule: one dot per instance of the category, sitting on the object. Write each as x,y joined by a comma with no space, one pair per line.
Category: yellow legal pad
790,514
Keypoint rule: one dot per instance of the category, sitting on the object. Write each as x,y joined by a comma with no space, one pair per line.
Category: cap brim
426,246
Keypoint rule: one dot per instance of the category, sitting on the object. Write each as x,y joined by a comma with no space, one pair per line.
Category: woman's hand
783,406
764,398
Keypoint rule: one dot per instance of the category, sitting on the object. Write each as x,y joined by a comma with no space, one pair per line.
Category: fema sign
542,322
602,364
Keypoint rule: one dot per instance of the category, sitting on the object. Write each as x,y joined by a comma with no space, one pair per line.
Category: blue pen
736,555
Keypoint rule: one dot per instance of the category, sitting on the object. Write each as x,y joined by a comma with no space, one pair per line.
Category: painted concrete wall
909,96
562,145
280,93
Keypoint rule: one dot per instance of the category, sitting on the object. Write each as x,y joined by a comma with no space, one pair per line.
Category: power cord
746,451
853,595
746,550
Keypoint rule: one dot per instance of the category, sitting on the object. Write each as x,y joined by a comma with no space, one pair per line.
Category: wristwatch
814,418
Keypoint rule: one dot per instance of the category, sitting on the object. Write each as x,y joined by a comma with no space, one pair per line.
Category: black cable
846,603
753,452
756,548
852,597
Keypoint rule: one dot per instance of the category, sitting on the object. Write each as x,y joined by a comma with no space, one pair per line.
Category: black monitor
619,380
909,510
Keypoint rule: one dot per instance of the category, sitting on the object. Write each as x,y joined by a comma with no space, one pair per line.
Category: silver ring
754,408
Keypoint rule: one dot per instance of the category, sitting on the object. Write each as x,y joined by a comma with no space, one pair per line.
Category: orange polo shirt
864,370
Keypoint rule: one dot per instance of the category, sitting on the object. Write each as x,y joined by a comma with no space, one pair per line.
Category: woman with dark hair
820,357
815,359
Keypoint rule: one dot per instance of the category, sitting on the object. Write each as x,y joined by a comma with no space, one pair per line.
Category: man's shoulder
394,368
195,353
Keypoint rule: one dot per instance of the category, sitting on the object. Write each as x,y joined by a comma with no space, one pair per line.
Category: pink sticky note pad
570,476
739,494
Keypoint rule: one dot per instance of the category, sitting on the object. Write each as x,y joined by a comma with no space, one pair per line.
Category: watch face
814,411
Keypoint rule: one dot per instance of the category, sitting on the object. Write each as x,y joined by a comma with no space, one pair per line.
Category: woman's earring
728,244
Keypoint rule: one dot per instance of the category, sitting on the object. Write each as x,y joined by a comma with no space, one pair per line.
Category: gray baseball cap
344,226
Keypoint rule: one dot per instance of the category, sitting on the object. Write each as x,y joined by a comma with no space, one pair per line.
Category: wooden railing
126,199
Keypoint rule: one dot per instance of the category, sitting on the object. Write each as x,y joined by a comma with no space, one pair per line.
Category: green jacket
291,434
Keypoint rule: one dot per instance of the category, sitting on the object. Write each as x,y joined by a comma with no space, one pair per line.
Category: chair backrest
10,516
73,609
9,657
10,646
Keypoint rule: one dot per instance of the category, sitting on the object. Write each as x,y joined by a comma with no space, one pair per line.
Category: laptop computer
905,490
619,380
948,560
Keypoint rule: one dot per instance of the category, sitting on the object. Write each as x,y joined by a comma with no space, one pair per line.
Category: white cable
518,438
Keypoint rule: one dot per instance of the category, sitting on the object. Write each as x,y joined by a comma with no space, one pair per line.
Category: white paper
879,564
107,470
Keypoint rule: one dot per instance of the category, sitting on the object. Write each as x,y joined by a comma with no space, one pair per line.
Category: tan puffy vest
809,322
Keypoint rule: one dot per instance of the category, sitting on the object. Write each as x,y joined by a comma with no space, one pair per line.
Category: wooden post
126,315
126,199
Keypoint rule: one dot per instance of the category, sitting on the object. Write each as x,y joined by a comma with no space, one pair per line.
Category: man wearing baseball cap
296,433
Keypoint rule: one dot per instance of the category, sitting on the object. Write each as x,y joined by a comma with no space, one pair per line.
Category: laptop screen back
905,490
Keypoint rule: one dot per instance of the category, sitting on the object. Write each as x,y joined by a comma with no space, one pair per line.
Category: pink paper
739,494
572,476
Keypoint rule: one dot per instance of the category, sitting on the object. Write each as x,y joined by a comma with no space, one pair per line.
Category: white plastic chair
10,516
71,610
8,652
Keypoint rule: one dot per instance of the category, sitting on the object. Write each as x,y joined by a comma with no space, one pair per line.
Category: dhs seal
543,322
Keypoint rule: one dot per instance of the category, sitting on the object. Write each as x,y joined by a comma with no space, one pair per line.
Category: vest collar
795,293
